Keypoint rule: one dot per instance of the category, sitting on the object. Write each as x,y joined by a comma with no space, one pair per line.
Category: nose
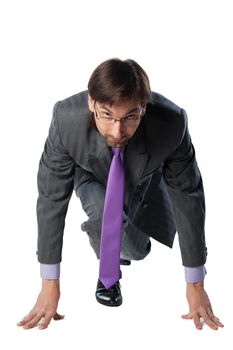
117,130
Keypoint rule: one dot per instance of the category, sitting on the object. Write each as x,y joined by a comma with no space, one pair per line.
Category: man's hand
200,306
46,306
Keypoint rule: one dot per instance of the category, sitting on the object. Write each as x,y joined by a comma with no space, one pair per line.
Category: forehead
126,105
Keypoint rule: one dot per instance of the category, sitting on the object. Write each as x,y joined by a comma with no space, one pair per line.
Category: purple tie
110,244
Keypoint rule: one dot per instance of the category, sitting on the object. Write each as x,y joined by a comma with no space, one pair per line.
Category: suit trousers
135,244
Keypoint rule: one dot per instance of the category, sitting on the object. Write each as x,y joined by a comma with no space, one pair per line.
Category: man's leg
135,244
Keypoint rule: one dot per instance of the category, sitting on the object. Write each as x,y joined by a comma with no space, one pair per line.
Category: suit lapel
135,160
99,156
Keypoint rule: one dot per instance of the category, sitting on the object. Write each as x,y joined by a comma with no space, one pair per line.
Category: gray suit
164,190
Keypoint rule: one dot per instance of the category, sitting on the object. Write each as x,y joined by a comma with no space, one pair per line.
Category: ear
143,108
91,103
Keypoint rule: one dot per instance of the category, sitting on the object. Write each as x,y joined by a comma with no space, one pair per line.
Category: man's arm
184,183
185,187
55,185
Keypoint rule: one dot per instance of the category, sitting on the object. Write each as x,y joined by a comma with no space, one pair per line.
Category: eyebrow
132,110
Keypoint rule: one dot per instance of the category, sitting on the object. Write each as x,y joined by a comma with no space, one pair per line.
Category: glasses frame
122,120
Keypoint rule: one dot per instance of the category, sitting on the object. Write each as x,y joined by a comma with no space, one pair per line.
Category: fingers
208,321
204,317
26,319
214,318
197,321
48,318
187,317
57,317
195,317
46,321
32,320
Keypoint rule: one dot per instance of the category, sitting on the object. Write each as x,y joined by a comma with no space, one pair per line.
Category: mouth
118,140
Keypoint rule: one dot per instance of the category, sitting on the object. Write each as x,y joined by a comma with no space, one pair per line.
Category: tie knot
116,150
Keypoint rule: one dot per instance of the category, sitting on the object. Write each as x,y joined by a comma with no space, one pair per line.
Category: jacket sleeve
184,182
55,186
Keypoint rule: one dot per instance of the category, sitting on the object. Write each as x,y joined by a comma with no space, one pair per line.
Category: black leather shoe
125,262
109,297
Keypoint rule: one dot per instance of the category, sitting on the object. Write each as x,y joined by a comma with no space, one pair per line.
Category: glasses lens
131,120
106,120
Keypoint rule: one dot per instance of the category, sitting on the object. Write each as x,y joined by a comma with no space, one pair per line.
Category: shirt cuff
195,274
50,271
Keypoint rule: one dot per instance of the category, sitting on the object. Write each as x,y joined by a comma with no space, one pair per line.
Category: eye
131,116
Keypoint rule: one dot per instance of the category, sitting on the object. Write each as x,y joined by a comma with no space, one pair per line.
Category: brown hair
115,80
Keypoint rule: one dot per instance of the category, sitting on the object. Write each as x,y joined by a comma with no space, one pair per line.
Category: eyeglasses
105,117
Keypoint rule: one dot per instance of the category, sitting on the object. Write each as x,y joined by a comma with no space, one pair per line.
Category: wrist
195,284
50,282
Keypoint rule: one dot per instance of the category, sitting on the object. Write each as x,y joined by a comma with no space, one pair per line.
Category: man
157,174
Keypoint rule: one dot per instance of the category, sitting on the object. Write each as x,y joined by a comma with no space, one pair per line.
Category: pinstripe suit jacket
164,191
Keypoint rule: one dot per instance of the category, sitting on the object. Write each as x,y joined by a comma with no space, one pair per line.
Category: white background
48,51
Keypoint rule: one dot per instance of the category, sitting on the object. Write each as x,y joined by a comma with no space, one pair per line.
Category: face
117,133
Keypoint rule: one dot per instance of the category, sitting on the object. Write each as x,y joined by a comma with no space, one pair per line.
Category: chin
116,144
